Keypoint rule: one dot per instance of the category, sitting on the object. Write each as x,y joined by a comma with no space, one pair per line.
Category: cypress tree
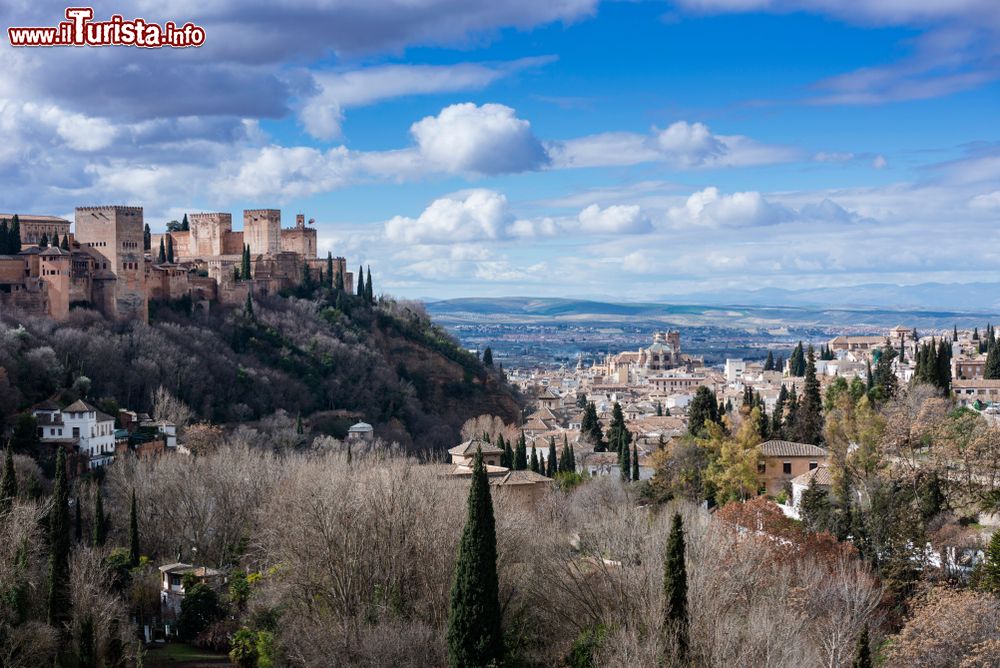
533,462
862,653
572,460
769,363
474,634
675,614
59,546
369,292
86,651
4,238
809,418
635,463
162,257
521,454
15,235
147,238
329,269
100,531
797,362
133,532
590,427
170,249
507,460
8,482
361,281
248,307
488,357
992,368
954,334
779,412
44,241
55,240
339,283
65,243
550,461
624,461
944,366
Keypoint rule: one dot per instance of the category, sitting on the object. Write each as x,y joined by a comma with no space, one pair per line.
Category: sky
568,148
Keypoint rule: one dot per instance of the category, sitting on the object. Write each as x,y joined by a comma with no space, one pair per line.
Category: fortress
105,263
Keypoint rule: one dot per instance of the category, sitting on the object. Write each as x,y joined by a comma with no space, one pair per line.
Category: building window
786,468
812,465
76,432
761,467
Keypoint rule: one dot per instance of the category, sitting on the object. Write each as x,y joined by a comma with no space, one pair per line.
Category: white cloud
487,139
709,208
682,145
986,201
615,219
284,172
323,113
472,215
879,162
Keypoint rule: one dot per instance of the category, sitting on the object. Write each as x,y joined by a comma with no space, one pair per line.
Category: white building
92,431
735,370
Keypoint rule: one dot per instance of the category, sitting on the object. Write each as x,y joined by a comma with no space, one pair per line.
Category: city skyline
573,149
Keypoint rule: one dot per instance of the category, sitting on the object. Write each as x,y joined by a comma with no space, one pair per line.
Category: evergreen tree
55,240
162,257
797,362
147,237
299,427
809,418
44,241
329,269
4,238
65,242
624,460
507,459
361,281
618,436
815,507
248,307
659,409
635,463
884,375
245,264
474,621
185,225
862,653
133,532
954,334
170,248
86,650
987,575
590,427
100,531
572,459
769,363
550,461
992,368
14,235
944,366
369,292
521,454
704,408
59,546
488,357
533,462
8,482
339,283
675,614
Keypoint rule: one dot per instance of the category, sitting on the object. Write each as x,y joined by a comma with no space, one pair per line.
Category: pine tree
550,462
59,546
8,482
635,463
704,408
162,257
769,363
675,614
361,281
147,238
133,532
521,454
369,292
488,357
474,621
862,653
329,269
170,248
100,531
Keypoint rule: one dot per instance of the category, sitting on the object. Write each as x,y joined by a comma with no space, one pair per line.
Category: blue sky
628,150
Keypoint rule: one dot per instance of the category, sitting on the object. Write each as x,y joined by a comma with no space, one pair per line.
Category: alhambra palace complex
106,266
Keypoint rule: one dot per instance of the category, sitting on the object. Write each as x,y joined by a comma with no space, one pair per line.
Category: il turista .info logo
79,29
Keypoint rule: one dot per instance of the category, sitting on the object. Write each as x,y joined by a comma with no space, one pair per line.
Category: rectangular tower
116,232
208,231
262,231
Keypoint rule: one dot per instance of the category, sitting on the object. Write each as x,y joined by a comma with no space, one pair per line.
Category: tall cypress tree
361,281
488,357
8,482
474,634
59,546
65,242
992,368
162,256
329,269
147,238
809,418
635,463
339,282
675,613
55,240
533,462
521,454
369,292
170,249
863,652
133,532
769,363
100,531
551,467
14,235
624,460
44,241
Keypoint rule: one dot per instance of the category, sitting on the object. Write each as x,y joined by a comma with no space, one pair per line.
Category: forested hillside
330,357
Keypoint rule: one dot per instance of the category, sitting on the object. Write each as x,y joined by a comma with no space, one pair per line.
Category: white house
735,368
92,431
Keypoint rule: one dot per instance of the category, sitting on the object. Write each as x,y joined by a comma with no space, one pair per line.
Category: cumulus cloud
710,208
615,219
879,162
681,144
487,139
472,215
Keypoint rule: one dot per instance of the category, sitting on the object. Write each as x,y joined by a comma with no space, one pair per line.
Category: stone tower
208,233
54,270
262,230
116,232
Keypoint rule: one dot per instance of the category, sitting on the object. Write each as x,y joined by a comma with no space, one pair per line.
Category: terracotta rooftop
790,449
468,448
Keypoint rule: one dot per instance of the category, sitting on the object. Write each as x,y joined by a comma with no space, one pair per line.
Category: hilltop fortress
108,262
